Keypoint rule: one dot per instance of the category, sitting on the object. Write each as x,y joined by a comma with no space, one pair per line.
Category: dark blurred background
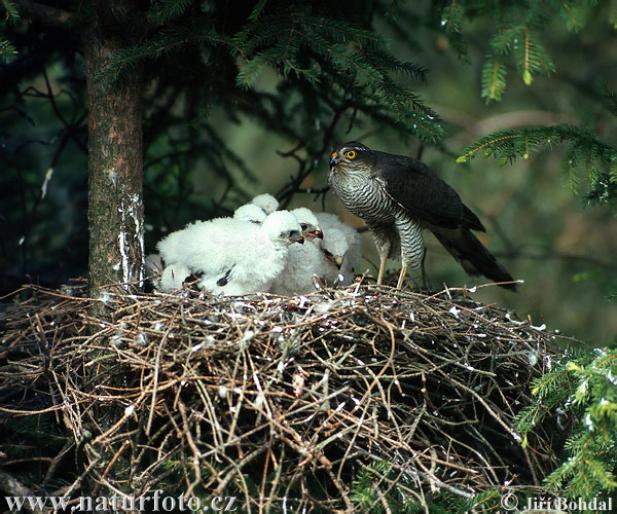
562,245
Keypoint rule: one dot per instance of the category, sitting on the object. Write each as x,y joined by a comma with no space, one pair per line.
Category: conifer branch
527,78
46,14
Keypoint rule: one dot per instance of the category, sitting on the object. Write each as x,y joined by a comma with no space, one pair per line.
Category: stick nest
278,400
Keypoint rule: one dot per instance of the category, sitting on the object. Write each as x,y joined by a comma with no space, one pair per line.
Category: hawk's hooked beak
338,260
334,159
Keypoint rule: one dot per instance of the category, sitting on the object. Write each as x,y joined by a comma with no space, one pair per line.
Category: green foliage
486,501
315,49
166,41
7,49
493,78
524,45
585,389
377,486
371,491
162,11
586,157
612,16
452,23
516,36
531,57
261,4
10,9
611,102
30,442
576,13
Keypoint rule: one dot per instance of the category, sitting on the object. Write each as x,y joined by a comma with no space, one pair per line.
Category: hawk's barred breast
398,196
364,196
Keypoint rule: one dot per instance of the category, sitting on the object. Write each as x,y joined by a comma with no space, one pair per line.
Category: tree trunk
115,160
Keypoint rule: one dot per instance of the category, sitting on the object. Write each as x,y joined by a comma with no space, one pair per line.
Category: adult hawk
398,197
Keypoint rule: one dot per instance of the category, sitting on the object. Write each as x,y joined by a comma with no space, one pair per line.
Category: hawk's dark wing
422,194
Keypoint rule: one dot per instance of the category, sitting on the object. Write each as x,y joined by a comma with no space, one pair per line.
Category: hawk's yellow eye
350,154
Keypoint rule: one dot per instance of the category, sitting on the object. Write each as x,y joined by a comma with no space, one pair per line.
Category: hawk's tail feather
475,258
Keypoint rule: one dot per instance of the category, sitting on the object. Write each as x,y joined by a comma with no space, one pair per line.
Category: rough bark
115,163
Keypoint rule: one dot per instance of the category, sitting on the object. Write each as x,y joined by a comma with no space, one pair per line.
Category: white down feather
234,257
266,202
353,257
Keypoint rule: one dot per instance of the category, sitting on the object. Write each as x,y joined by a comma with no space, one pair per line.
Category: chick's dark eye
351,154
303,226
327,253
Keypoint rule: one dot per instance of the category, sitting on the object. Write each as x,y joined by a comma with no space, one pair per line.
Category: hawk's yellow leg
402,275
382,267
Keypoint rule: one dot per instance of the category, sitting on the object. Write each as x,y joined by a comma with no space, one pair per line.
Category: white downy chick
266,202
314,259
171,248
334,248
303,263
353,257
154,269
261,255
308,223
234,257
173,277
250,212
154,264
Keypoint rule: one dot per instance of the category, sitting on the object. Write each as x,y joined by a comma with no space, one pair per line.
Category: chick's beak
338,260
316,233
296,237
